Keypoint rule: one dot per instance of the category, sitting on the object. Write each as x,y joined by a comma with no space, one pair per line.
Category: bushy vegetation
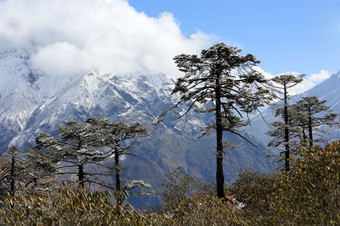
67,205
74,206
308,194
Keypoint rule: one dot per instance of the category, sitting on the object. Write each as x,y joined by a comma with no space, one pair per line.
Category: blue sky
129,36
286,35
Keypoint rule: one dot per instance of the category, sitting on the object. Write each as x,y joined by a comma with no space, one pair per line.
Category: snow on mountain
21,91
18,93
16,86
328,90
32,103
95,94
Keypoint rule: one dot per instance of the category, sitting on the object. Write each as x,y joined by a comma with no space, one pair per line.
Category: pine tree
278,132
42,167
14,173
117,138
92,142
311,113
223,83
284,82
74,147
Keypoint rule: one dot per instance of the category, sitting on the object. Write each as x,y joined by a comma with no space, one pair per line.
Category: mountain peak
28,110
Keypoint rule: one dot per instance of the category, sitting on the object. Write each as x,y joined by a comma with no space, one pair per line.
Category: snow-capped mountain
328,90
32,103
21,91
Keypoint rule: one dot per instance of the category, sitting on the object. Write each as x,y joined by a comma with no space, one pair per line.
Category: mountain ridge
134,97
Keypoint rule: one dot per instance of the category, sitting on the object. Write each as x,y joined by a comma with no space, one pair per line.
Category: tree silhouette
310,114
284,82
223,83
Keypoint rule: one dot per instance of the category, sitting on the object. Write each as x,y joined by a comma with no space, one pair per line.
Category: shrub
256,191
308,194
67,206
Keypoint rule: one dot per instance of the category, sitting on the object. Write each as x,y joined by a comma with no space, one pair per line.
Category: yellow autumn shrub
67,206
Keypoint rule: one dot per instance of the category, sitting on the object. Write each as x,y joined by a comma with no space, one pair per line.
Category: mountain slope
48,101
21,91
328,90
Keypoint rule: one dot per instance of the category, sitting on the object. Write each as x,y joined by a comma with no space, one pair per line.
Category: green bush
204,209
255,190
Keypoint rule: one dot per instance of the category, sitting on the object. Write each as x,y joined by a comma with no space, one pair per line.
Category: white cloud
299,88
70,59
265,74
320,76
302,86
67,36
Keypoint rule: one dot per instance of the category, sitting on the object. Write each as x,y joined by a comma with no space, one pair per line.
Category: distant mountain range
32,103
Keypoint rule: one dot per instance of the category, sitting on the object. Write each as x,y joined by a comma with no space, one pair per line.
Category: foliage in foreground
189,201
75,206
309,194
66,206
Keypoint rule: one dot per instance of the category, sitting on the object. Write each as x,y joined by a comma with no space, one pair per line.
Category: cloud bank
305,85
65,37
320,76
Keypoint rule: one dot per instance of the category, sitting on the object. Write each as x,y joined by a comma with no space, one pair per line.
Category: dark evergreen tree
75,146
93,142
283,83
14,174
223,83
279,141
310,114
117,139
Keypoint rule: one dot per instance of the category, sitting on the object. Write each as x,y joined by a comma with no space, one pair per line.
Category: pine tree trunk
304,135
286,129
12,176
81,175
310,128
219,143
118,181
117,171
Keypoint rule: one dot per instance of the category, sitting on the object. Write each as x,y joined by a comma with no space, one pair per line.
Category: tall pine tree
283,83
221,82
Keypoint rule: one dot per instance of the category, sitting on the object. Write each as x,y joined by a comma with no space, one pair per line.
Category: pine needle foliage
283,130
81,144
310,115
221,83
